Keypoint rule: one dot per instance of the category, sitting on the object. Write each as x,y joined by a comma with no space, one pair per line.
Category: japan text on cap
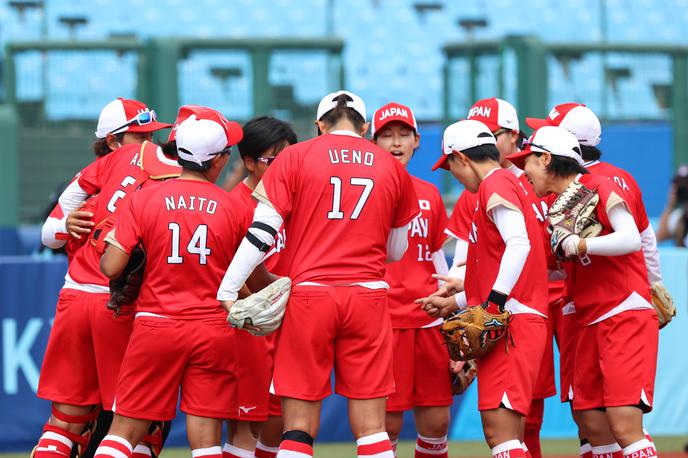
574,117
393,112
495,114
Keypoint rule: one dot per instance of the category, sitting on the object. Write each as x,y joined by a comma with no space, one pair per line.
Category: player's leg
432,393
363,365
506,381
402,398
120,440
301,424
270,435
205,436
68,378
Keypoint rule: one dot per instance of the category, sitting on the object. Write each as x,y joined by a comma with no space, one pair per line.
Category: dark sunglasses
501,131
141,119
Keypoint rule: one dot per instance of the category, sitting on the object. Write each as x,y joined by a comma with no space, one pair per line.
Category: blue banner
28,292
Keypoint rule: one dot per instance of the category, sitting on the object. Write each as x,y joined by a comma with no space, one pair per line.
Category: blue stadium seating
392,52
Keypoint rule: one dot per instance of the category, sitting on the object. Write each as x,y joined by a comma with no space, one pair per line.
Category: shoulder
425,188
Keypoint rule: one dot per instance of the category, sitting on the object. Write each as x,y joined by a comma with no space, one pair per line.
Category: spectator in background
673,223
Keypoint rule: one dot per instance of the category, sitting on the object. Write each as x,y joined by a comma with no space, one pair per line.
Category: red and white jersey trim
515,307
364,284
634,302
568,309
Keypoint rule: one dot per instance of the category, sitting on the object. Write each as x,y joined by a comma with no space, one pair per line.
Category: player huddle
550,242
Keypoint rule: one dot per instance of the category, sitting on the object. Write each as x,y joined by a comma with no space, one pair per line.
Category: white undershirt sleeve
624,240
248,256
460,255
648,240
70,199
440,263
512,227
397,243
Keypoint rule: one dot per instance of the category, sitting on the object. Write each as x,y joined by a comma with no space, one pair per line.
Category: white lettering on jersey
419,227
424,204
177,203
280,240
540,213
347,156
473,235
135,160
621,183
479,111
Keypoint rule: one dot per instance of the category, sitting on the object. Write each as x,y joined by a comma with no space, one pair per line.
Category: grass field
669,447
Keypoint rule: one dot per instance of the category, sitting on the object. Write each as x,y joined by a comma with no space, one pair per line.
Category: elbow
107,268
635,242
50,241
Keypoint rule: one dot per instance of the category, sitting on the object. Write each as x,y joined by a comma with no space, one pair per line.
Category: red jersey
112,177
459,224
486,247
245,206
411,277
339,196
190,231
598,284
632,194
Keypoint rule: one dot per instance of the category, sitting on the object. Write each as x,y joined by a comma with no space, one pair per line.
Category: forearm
512,227
54,231
258,240
458,267
624,240
397,243
439,261
648,241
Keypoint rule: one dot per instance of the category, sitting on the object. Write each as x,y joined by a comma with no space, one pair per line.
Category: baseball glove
472,333
462,375
572,213
263,310
125,289
663,304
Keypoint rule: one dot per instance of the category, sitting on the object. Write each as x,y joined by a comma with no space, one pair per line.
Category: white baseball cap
203,135
461,136
329,102
549,139
574,117
125,115
495,114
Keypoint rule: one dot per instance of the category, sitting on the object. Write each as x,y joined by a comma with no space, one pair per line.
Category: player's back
112,178
190,232
342,195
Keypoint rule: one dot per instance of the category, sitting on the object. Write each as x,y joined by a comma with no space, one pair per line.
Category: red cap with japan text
393,112
574,117
495,114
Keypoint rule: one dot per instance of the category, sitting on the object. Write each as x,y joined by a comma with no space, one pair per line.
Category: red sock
607,451
294,449
54,443
263,451
141,451
114,447
641,449
508,449
648,437
585,450
377,444
526,452
431,447
394,443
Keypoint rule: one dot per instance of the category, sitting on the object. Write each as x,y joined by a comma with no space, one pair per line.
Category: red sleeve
439,222
610,195
407,205
278,183
90,177
459,224
127,229
502,190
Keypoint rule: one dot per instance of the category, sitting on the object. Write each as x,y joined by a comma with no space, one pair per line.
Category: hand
438,306
574,246
452,285
455,367
79,222
227,305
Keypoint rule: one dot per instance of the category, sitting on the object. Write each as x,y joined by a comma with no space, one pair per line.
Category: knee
437,426
393,425
622,431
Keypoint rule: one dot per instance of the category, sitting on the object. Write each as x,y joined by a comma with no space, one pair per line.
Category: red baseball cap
204,133
495,114
574,117
126,115
393,112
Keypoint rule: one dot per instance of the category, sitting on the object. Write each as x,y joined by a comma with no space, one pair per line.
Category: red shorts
85,350
567,339
275,406
255,359
545,385
164,354
506,378
616,360
347,328
421,370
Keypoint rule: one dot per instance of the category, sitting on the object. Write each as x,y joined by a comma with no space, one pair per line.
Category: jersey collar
349,133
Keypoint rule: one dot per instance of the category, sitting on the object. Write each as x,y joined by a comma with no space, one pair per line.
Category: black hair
202,167
169,149
100,147
263,133
590,153
562,166
482,153
343,111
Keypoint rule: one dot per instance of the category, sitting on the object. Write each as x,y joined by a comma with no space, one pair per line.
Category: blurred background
63,60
